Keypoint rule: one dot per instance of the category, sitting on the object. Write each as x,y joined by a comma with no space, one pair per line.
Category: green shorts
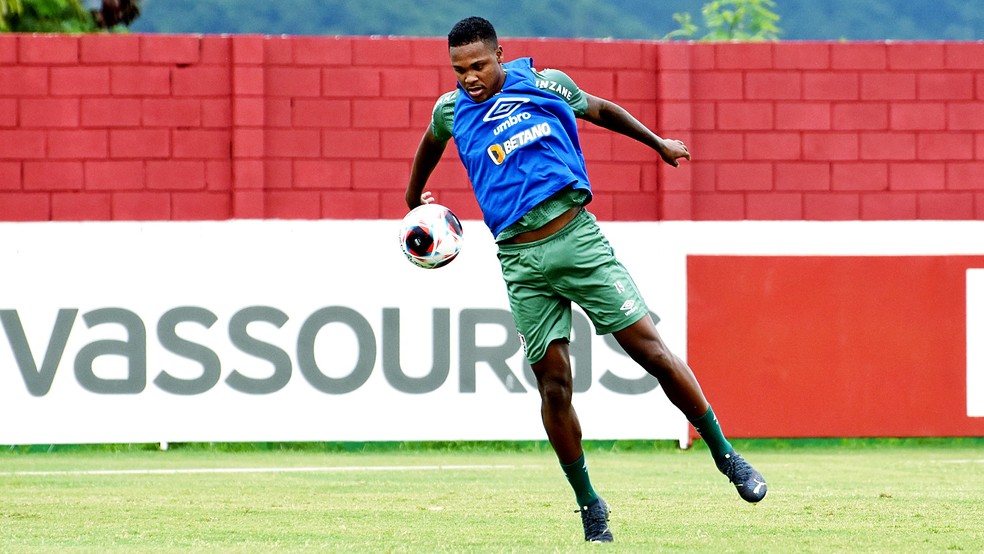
575,264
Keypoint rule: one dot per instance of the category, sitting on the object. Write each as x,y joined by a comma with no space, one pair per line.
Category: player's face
479,69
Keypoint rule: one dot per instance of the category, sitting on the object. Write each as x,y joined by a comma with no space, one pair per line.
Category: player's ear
498,53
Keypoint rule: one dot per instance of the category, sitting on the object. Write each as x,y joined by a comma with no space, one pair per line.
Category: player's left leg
642,342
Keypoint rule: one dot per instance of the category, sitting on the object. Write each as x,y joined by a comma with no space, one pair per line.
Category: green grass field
824,496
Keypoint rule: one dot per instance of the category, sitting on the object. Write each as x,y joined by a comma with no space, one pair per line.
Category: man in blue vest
514,128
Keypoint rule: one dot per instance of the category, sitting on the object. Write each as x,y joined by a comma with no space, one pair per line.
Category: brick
169,49
322,174
140,81
745,116
718,207
293,205
772,85
945,86
743,55
965,175
246,174
915,55
635,85
248,80
806,116
350,204
171,112
963,55
744,176
772,146
717,146
216,50
802,176
888,146
831,207
21,144
200,206
139,143
801,55
851,176
114,175
378,174
608,177
429,52
916,176
612,54
248,112
599,83
23,81
860,116
321,113
353,143
176,175
49,112
218,175
964,116
278,112
79,81
676,206
322,51
830,86
8,112
673,85
292,81
278,174
774,206
888,206
248,204
110,112
888,86
78,143
357,81
109,49
571,53
381,113
725,85
376,51
922,116
248,143
945,205
201,81
20,206
945,146
278,50
669,56
292,143
48,49
81,206
701,55
830,146
641,206
141,206
247,49
10,175
8,48
201,143
858,55
51,175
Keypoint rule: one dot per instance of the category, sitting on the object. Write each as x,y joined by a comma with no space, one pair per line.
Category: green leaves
724,20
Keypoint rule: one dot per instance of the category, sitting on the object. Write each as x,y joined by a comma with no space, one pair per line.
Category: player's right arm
430,149
429,152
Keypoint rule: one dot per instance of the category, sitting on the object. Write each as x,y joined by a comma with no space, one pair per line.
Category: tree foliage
747,20
65,16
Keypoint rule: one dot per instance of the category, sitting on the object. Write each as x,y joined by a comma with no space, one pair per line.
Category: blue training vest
519,147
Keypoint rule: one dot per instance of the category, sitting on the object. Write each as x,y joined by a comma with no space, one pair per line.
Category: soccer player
514,128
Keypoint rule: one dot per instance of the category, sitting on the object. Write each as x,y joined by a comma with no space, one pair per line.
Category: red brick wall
99,127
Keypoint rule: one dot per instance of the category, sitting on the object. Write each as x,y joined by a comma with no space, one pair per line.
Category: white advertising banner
285,331
975,342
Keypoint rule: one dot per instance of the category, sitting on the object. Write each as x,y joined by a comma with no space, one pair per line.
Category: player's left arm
610,115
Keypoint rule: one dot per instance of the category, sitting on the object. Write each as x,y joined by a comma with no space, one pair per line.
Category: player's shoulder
557,82
449,97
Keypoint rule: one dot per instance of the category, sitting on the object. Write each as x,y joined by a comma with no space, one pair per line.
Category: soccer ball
430,236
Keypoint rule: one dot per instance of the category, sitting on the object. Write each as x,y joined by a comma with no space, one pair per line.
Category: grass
825,496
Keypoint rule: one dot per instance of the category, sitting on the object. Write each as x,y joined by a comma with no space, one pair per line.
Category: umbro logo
628,306
504,107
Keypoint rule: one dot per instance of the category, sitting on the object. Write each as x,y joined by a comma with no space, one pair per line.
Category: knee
657,359
555,383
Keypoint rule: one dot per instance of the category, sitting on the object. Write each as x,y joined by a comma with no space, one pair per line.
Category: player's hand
426,198
673,150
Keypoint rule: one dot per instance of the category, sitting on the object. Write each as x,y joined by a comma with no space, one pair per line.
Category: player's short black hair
473,29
